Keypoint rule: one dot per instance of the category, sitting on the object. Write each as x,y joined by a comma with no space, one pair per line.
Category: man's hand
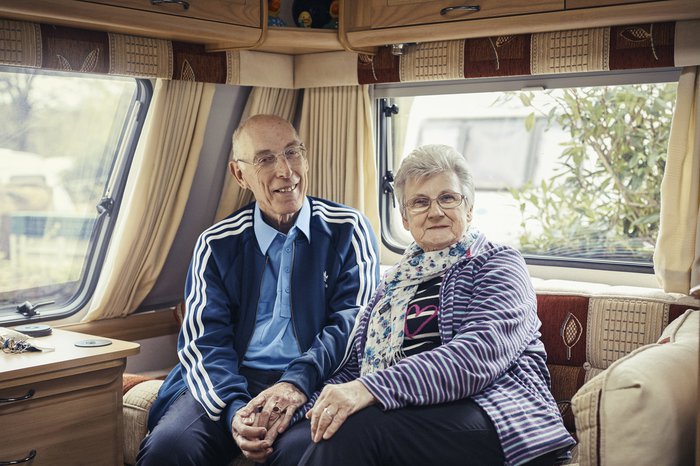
255,442
274,407
335,404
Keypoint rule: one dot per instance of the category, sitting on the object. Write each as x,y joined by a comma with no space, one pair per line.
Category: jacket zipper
291,295
257,306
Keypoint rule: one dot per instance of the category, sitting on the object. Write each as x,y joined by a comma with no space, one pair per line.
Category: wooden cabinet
239,12
239,22
372,23
63,407
392,13
218,24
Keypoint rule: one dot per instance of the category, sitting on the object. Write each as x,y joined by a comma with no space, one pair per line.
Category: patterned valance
70,49
62,48
574,51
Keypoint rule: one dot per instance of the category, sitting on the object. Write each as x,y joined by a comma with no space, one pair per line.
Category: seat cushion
642,409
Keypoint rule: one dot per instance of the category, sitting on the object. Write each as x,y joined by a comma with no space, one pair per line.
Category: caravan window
65,143
568,171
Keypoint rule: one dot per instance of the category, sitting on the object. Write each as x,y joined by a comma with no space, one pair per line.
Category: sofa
624,367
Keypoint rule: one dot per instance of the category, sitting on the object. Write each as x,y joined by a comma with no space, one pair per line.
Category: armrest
137,403
139,394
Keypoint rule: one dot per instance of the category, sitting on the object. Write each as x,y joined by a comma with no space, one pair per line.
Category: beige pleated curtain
336,126
280,102
677,253
156,193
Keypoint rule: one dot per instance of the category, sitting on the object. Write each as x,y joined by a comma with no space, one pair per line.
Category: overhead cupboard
217,24
364,24
397,13
237,12
239,22
372,23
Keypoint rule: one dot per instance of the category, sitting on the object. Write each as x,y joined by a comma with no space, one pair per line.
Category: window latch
390,110
28,309
106,204
388,186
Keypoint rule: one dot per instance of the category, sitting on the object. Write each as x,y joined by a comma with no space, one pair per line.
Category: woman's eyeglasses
293,155
420,204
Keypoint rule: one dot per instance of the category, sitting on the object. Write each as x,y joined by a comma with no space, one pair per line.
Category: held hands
277,402
335,404
256,426
255,442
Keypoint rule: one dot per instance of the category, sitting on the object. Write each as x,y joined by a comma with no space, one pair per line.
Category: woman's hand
334,405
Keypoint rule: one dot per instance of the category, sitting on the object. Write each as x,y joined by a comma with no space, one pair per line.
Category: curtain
280,102
677,253
336,126
156,193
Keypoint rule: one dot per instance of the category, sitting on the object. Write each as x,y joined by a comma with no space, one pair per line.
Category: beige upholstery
642,409
137,402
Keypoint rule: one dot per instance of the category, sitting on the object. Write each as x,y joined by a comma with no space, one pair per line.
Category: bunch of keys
14,345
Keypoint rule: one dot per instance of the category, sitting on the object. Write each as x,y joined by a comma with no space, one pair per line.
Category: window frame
383,95
108,210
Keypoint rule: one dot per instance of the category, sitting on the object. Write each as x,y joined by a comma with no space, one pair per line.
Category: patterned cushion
641,410
586,327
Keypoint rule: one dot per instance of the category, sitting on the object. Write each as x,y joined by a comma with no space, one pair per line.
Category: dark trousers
186,436
457,433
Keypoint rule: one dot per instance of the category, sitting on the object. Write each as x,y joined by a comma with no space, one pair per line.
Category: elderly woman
446,365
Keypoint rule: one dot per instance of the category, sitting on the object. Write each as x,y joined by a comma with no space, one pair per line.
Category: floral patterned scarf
386,323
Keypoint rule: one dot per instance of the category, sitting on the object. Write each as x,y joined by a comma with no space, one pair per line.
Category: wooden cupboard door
74,420
393,13
238,12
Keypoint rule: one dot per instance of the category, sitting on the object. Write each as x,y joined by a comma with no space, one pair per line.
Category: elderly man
271,295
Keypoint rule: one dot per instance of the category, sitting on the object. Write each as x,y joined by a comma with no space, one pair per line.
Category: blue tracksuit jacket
332,277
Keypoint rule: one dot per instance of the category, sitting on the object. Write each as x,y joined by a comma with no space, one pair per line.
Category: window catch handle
390,110
388,186
106,204
28,309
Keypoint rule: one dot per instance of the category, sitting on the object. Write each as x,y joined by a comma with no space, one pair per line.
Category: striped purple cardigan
490,352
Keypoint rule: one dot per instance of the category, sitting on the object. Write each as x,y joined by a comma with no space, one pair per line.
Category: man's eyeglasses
293,155
420,204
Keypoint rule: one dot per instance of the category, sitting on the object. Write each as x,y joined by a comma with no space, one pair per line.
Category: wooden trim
347,9
138,326
670,10
291,41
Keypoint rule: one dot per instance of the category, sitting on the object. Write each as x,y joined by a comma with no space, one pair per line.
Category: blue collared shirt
273,344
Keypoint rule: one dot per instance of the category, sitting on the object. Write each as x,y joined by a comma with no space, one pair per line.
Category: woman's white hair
429,160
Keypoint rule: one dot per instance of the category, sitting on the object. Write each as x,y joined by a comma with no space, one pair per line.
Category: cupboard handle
444,11
185,5
28,458
29,394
